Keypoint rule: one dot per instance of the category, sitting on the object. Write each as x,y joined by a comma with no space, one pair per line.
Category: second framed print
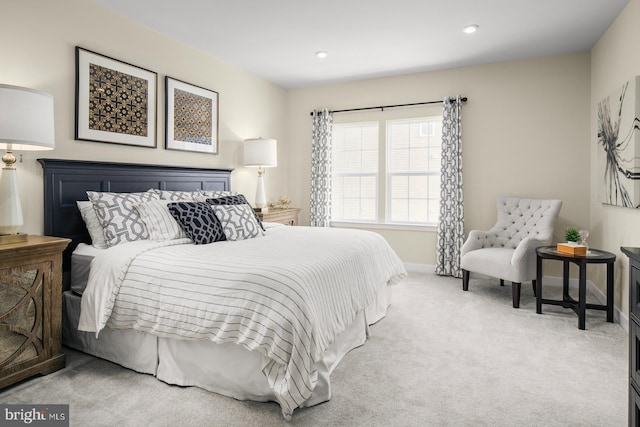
115,101
191,117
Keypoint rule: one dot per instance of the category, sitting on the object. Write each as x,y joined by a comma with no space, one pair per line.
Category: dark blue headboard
66,181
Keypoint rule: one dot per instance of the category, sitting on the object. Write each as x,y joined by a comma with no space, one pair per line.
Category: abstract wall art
618,138
115,101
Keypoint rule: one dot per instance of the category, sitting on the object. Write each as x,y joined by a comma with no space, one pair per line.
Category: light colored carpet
440,357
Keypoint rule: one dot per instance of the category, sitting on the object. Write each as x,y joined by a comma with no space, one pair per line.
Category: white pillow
120,221
238,221
93,224
161,225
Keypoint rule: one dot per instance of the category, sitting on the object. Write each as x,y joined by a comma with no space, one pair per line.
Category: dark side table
594,256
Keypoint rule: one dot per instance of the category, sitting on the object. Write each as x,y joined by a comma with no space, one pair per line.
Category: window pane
368,209
414,154
418,211
369,188
355,172
418,187
399,210
399,160
419,159
399,187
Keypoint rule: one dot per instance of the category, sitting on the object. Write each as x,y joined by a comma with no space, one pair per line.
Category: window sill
384,226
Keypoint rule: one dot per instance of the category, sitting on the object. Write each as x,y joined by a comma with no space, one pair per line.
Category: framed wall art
191,117
115,101
618,137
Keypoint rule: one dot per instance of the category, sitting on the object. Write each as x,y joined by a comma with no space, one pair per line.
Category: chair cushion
494,262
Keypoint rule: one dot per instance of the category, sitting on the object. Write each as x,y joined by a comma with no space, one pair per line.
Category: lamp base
5,239
261,199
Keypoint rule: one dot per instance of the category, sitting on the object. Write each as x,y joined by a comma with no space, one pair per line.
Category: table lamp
26,123
263,153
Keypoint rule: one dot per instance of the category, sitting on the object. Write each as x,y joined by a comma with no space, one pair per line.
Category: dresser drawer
634,351
634,291
634,406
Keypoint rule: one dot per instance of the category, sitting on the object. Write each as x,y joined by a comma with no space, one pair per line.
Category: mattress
81,265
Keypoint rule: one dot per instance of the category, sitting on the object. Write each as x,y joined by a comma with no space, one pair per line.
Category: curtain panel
451,220
320,203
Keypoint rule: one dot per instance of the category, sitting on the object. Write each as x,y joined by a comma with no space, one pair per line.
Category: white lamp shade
26,119
261,152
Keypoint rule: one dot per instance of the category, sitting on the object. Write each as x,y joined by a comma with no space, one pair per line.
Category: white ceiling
277,39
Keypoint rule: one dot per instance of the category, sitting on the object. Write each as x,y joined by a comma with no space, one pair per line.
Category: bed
299,300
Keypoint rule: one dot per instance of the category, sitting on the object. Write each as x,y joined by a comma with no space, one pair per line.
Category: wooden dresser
634,334
30,308
288,216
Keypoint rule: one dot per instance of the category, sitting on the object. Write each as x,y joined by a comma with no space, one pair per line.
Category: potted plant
572,235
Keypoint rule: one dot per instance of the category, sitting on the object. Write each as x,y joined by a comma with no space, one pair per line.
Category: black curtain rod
382,107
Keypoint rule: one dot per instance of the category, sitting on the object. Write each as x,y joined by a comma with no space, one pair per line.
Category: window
354,186
413,170
402,187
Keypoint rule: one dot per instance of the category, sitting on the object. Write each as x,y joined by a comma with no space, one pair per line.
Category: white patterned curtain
320,208
450,224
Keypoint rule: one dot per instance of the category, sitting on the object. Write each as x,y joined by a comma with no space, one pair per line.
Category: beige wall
614,60
525,133
37,39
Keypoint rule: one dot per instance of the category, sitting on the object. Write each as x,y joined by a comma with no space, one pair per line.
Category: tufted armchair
507,251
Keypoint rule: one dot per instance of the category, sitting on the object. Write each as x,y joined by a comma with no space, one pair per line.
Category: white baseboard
618,315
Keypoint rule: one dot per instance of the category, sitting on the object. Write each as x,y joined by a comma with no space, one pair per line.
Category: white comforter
287,294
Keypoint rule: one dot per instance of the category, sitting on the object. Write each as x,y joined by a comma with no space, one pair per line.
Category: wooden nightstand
31,308
287,216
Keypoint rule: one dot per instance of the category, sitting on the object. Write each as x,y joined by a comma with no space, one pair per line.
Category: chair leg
501,282
515,293
465,280
533,284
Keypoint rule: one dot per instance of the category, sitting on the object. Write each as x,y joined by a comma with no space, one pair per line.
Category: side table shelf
30,308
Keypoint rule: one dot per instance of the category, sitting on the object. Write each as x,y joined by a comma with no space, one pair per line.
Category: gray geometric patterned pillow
175,195
238,221
238,199
203,195
118,217
198,221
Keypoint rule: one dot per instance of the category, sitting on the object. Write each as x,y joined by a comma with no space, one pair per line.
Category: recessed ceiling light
469,29
321,54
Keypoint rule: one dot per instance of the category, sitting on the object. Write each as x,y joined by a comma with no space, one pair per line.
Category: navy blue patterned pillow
237,199
198,221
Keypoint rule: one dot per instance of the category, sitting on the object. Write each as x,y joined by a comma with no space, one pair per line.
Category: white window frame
390,175
376,219
383,179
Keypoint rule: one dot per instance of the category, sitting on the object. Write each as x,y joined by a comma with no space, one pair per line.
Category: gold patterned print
118,101
193,115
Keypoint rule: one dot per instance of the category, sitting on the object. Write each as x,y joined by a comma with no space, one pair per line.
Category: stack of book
572,248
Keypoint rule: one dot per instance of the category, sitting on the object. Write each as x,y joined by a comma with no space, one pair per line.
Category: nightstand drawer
287,216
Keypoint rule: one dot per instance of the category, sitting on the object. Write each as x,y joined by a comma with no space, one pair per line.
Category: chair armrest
526,248
474,241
